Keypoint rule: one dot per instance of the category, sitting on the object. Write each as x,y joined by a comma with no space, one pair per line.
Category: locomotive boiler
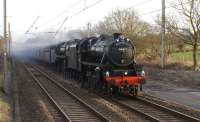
115,50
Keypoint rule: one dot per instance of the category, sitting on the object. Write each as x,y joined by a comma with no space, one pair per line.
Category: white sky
22,13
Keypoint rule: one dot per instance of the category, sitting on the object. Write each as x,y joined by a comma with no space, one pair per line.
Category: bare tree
189,29
125,21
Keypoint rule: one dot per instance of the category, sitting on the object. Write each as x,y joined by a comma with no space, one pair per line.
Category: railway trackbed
149,110
71,107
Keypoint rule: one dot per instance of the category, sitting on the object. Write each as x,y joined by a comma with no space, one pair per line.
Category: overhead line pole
9,40
163,36
5,43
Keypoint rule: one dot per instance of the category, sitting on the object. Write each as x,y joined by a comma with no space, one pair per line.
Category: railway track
71,107
153,111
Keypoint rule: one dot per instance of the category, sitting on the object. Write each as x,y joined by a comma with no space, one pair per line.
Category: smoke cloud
35,41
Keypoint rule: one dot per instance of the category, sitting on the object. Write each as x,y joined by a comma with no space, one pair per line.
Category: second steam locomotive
106,63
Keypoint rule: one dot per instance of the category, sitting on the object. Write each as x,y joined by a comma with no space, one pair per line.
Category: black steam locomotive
105,63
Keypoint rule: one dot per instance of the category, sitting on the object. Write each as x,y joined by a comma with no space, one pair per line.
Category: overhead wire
34,22
66,18
77,13
140,3
87,7
60,14
158,10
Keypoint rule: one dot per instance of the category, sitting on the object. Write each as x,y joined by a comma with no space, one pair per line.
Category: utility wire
140,3
77,13
32,24
158,10
61,25
59,15
87,7
151,12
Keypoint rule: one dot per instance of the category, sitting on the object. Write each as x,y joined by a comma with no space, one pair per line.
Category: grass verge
4,105
184,56
4,110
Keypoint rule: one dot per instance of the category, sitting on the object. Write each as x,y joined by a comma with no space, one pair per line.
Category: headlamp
126,73
107,74
142,73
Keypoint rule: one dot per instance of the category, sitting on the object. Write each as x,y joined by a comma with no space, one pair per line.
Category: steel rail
49,96
168,111
72,94
174,112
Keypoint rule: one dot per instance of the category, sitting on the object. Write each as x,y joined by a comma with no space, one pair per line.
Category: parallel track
153,111
69,105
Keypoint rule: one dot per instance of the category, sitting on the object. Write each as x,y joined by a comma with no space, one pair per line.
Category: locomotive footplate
126,84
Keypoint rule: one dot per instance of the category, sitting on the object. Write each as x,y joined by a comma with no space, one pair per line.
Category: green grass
184,57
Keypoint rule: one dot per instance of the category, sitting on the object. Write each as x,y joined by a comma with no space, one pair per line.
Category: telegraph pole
5,43
5,26
88,29
163,36
9,41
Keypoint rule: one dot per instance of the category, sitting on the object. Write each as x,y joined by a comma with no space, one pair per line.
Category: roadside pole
5,44
163,36
9,41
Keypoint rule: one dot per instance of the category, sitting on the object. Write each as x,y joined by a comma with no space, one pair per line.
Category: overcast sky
51,13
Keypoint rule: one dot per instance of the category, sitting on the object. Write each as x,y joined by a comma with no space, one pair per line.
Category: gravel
180,78
173,106
33,103
172,80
